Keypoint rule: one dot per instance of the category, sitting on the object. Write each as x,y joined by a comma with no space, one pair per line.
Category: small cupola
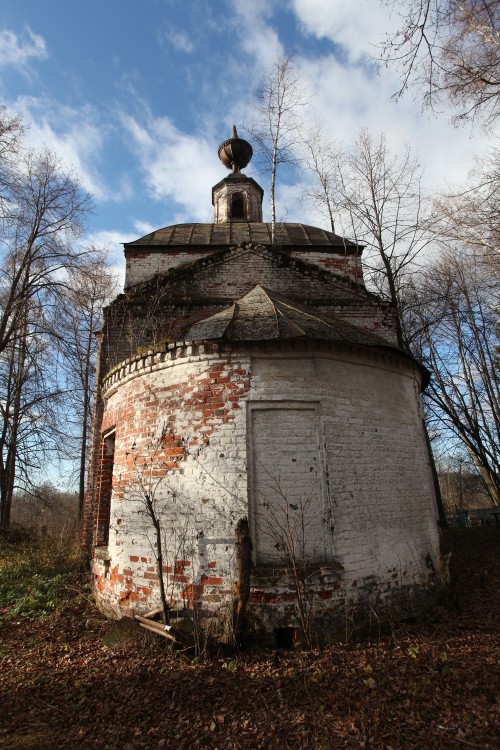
237,197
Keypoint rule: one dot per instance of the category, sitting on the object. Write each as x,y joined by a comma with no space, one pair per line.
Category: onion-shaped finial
235,153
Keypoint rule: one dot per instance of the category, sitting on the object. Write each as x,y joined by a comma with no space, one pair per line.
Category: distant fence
474,517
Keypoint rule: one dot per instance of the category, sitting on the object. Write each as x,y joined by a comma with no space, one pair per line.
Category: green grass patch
37,578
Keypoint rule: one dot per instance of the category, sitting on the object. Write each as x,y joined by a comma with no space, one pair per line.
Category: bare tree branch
278,121
452,323
381,205
449,49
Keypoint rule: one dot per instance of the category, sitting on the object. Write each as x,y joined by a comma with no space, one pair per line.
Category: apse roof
262,314
237,233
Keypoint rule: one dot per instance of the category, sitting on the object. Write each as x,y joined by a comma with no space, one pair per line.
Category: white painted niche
286,480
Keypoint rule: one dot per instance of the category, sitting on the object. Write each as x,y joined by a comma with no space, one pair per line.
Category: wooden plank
148,626
153,612
157,625
166,630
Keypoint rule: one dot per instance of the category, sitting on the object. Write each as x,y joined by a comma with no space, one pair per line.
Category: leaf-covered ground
71,680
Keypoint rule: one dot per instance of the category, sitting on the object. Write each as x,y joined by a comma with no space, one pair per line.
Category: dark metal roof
262,314
237,233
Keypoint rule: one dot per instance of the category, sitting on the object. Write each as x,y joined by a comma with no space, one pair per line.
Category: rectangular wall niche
286,479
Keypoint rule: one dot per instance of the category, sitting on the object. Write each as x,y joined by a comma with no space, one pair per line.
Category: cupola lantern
236,198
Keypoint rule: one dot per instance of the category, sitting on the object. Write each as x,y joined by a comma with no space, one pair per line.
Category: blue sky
136,96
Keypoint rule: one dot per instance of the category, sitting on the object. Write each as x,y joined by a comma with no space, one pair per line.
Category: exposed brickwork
348,265
376,511
141,266
280,432
162,308
103,491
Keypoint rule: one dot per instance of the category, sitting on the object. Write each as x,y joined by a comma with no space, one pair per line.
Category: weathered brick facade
260,382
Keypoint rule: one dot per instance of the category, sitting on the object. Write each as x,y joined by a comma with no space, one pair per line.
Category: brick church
247,379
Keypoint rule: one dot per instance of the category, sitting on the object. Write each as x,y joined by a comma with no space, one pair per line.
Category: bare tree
131,324
323,160
79,318
381,204
12,380
461,484
30,396
384,208
149,481
145,483
449,49
287,524
42,212
146,493
37,239
44,511
452,323
471,215
276,131
11,131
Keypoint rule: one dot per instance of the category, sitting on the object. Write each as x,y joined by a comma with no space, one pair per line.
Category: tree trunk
159,559
243,544
85,425
9,473
491,483
273,199
437,489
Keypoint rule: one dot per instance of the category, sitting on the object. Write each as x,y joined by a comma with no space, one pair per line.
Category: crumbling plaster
297,411
378,514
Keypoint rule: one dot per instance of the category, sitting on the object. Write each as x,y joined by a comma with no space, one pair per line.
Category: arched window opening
237,206
104,489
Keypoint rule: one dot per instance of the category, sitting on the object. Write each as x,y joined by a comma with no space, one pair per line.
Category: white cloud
176,165
112,242
178,39
257,36
112,239
358,29
19,52
182,168
348,100
143,227
75,135
349,94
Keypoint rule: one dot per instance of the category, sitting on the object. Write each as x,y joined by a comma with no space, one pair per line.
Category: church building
253,399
